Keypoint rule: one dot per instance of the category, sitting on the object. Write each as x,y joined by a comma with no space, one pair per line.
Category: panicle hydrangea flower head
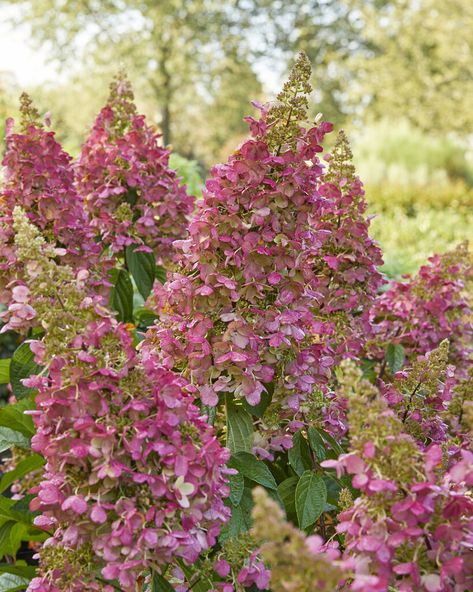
460,409
233,566
278,267
420,395
39,178
132,195
411,527
422,311
134,475
133,471
296,562
56,297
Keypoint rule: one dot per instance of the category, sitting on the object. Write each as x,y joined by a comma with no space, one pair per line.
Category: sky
17,55
31,66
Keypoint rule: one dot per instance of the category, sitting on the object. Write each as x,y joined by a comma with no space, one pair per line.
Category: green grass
408,240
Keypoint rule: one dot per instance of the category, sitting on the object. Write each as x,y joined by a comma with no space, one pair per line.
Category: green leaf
29,464
252,468
317,444
196,584
266,398
26,571
9,438
144,317
13,416
22,366
395,355
17,534
14,510
160,274
237,485
333,489
299,454
311,497
368,367
142,266
210,412
131,196
287,493
5,370
12,583
5,530
160,584
239,427
121,295
240,520
331,441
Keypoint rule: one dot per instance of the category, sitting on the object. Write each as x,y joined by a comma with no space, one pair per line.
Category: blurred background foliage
397,74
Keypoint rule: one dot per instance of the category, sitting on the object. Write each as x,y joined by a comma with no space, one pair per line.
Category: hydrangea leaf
240,520
22,366
121,295
160,584
311,497
12,583
252,468
317,444
9,438
395,356
13,416
299,454
142,266
237,486
239,428
27,465
25,571
5,371
287,493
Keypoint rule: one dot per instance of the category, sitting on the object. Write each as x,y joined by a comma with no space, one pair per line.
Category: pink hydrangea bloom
275,276
39,178
133,470
411,527
422,311
131,193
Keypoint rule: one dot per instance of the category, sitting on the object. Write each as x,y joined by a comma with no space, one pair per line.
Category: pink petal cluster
274,277
411,527
133,470
421,311
19,313
131,194
422,540
39,178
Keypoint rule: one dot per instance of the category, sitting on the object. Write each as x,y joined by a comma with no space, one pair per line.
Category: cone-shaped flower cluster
411,527
134,476
131,193
432,306
39,178
278,266
272,298
298,563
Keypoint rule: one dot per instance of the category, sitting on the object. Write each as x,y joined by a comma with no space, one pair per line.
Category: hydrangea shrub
277,274
132,195
268,416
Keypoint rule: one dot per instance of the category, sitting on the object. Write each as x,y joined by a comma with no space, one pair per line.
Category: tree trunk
167,93
166,122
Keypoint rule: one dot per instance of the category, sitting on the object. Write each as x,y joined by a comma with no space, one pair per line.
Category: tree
8,90
416,61
325,30
173,44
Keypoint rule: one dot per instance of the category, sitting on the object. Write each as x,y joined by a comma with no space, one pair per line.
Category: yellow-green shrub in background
413,222
457,196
